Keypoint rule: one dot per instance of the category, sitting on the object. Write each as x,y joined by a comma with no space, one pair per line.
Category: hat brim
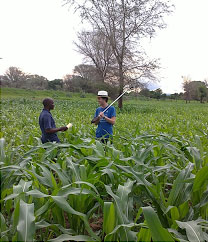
101,96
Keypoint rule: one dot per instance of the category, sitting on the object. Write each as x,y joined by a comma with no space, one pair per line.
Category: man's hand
101,115
96,120
55,130
63,128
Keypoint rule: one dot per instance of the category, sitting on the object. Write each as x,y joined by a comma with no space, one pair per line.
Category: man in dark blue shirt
106,120
47,123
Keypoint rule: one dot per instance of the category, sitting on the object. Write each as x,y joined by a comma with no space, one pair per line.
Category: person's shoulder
112,108
46,113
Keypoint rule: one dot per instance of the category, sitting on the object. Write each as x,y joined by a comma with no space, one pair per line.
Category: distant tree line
193,91
158,94
85,78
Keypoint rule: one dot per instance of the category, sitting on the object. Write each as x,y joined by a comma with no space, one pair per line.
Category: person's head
102,97
48,103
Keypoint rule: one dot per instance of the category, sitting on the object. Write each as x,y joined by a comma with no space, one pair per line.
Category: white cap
103,94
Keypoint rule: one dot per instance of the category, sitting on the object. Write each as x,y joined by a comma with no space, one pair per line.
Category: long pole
114,101
96,118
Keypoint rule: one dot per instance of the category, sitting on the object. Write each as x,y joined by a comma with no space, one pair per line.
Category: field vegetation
151,184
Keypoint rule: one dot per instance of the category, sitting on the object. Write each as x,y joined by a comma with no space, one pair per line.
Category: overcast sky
38,35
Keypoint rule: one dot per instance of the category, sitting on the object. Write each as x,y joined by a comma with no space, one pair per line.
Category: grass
40,94
149,185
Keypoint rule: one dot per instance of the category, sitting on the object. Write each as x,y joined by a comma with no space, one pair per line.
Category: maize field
151,184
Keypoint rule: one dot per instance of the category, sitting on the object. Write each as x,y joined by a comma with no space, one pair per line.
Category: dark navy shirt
104,128
46,121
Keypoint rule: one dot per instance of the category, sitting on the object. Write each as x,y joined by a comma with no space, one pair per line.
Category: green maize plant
151,184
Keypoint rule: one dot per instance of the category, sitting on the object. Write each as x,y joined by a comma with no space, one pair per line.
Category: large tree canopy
124,23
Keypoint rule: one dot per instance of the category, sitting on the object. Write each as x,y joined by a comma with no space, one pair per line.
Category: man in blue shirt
106,120
47,123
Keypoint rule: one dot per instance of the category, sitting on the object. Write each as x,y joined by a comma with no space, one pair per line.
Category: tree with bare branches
14,76
97,51
87,72
124,23
187,88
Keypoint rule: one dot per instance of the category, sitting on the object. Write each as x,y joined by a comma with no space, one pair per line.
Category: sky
37,36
